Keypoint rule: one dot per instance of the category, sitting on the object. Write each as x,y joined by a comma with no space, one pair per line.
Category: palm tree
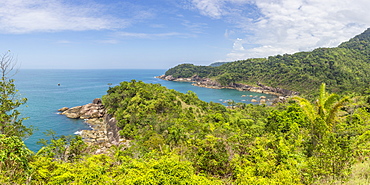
324,113
329,151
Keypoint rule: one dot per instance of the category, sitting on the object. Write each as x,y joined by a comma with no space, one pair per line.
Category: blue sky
159,34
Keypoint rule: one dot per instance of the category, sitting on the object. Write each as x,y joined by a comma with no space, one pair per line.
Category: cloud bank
25,16
287,26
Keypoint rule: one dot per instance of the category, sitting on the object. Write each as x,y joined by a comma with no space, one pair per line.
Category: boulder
263,97
196,78
88,111
97,101
73,112
161,77
254,100
258,91
63,109
169,78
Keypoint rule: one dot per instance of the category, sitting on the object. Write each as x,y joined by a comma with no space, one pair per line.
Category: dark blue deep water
79,87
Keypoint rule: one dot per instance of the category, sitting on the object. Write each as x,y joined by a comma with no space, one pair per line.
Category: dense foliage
344,69
176,138
188,70
217,64
11,124
297,142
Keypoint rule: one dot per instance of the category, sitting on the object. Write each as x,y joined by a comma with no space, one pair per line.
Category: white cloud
24,16
212,8
216,8
288,26
238,45
153,35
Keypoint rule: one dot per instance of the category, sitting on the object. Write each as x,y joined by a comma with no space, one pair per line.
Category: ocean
80,87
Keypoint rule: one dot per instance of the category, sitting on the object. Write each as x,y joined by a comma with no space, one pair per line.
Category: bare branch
7,65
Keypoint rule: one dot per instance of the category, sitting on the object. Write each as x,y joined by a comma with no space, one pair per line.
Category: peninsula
344,69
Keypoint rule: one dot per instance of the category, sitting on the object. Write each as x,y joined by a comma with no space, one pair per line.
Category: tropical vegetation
176,138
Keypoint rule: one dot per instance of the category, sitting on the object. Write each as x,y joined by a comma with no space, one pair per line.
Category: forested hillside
175,138
345,68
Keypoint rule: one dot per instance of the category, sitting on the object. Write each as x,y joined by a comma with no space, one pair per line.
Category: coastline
208,83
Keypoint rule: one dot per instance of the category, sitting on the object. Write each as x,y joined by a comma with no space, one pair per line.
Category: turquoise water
79,87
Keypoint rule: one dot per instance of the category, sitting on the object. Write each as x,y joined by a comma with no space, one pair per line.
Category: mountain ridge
344,69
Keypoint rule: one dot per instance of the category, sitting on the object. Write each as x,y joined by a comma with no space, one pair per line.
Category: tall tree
10,122
331,152
324,113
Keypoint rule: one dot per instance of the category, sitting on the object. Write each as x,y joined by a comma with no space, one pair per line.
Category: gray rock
169,78
73,112
97,101
88,111
63,109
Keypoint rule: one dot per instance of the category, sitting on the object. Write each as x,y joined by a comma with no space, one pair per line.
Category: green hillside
168,137
345,68
173,138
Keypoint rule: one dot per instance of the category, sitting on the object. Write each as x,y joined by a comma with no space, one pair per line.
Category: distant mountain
345,68
216,64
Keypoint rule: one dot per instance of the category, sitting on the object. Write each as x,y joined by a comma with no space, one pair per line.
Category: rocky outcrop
104,134
262,89
278,90
104,131
88,111
208,83
194,78
112,129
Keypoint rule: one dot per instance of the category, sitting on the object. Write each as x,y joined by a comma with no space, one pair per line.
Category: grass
360,174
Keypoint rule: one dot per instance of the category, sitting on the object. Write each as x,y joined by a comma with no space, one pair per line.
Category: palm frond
330,119
330,100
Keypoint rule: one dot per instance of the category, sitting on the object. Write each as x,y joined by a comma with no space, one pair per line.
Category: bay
79,87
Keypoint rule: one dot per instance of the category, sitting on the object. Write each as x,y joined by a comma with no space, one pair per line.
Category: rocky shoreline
208,83
104,130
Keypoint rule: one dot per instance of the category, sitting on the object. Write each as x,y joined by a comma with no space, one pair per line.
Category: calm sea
79,87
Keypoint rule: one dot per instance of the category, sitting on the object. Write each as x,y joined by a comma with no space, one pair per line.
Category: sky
160,34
